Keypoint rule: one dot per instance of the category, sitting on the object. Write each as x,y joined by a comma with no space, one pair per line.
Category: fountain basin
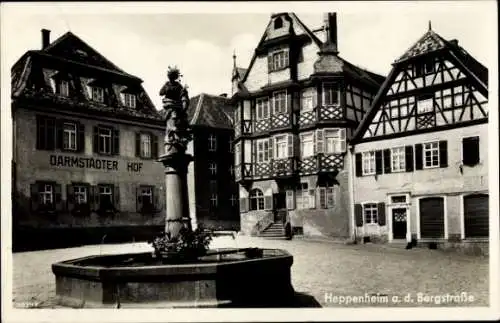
140,280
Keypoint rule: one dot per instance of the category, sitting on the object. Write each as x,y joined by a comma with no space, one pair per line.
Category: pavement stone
332,274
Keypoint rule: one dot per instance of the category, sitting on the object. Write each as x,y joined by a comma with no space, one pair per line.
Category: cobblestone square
334,274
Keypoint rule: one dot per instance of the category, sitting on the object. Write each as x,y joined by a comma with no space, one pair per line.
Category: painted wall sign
92,163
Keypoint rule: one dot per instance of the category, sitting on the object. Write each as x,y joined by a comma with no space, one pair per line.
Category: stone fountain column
175,159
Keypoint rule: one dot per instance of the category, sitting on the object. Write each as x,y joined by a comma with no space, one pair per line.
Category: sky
145,38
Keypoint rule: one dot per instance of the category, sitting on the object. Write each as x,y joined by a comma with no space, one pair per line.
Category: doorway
399,218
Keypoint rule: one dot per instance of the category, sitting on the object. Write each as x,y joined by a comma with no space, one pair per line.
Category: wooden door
476,216
432,217
399,218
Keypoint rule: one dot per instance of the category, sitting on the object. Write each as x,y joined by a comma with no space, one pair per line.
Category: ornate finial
234,58
430,26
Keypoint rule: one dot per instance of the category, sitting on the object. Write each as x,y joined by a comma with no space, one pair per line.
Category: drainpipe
351,191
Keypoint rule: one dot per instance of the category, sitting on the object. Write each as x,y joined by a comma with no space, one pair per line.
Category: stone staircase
275,231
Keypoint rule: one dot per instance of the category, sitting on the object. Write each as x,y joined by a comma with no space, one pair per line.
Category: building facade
86,140
297,106
213,192
421,153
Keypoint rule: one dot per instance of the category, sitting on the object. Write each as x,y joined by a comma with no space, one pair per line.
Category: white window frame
47,194
145,145
329,191
80,193
97,94
368,162
233,200
310,140
69,136
308,96
304,198
213,168
280,59
147,192
423,105
262,153
335,88
105,190
398,159
129,100
434,151
259,197
64,88
262,109
334,141
283,108
213,200
212,143
105,140
373,208
237,154
283,141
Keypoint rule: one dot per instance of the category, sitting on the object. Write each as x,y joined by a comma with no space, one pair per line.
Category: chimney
224,95
454,42
331,30
45,38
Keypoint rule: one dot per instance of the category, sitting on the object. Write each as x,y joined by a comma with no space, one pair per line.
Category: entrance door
279,207
399,223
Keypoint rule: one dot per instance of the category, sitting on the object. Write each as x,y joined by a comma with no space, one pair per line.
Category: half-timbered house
297,105
85,143
421,153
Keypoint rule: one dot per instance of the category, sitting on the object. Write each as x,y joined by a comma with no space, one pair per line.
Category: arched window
278,23
256,200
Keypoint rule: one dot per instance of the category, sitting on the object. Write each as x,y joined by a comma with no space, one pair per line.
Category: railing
262,125
307,117
264,222
262,169
282,120
283,167
308,165
242,128
320,163
242,172
330,112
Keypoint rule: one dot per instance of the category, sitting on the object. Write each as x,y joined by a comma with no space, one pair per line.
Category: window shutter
418,157
286,55
154,146
387,161
409,158
343,141
275,148
290,145
94,197
59,134
381,213
378,161
58,197
70,197
50,140
34,196
243,205
95,147
358,214
470,151
312,196
137,144
289,103
138,195
443,153
319,141
271,148
359,165
290,200
268,202
269,63
81,137
116,141
322,198
116,196
254,151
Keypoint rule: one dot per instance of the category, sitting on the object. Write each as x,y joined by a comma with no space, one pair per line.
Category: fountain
182,271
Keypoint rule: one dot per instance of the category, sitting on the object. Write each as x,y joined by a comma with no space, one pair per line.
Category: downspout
351,191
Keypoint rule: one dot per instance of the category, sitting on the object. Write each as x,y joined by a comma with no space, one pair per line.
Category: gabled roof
209,111
428,43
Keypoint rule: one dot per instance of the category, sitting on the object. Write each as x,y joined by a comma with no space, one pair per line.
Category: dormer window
128,100
425,67
278,60
278,23
97,94
63,88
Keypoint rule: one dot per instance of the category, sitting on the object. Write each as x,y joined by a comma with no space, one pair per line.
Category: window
279,102
423,68
46,133
425,105
237,154
431,154
213,168
262,109
46,194
335,141
281,147
145,145
213,200
212,143
305,197
80,193
307,100
370,213
306,145
398,159
63,88
368,163
398,199
429,67
256,200
146,196
97,94
69,136
234,200
470,151
263,151
128,100
278,23
331,94
326,196
104,140
278,60
105,197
